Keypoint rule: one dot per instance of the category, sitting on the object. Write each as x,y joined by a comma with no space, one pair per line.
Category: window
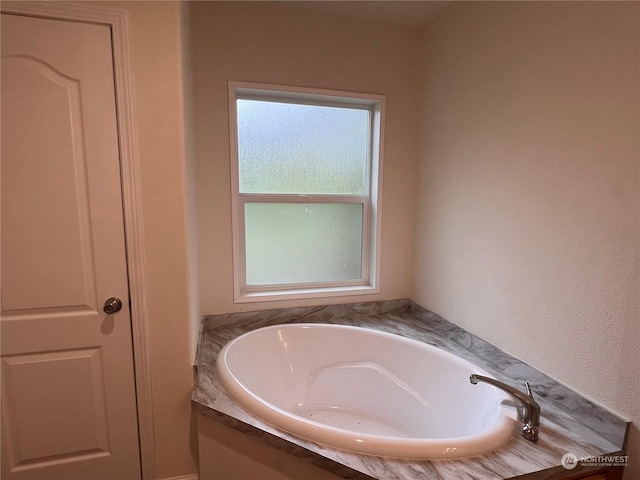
305,173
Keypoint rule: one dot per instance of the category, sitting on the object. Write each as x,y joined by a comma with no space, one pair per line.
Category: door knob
112,305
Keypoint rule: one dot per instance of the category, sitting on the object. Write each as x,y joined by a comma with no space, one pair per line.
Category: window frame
371,201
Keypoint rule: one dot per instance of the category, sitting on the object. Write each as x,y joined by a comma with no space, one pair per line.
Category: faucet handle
529,392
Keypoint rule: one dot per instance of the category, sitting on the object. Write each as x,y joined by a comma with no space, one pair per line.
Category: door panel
68,392
53,224
73,381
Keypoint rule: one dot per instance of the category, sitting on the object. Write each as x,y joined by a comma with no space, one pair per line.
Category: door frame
118,22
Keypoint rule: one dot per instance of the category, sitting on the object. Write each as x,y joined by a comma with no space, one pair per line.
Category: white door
68,392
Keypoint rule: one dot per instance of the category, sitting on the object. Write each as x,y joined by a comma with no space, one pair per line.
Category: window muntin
305,189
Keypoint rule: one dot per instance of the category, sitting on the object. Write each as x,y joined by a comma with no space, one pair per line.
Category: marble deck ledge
569,424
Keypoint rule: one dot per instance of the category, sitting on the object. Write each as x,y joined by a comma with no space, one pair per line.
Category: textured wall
250,41
528,201
527,224
157,75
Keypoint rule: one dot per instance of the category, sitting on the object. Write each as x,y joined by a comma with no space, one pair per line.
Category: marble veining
570,423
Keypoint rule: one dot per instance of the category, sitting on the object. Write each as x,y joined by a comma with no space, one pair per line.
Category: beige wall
156,61
262,43
527,224
528,201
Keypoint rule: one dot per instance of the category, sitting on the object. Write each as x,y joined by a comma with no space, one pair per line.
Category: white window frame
371,201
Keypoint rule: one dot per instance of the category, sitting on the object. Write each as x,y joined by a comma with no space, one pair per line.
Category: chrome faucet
530,414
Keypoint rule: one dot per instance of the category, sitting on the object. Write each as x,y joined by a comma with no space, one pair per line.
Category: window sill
299,294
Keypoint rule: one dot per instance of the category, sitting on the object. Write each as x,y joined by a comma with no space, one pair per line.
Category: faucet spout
530,409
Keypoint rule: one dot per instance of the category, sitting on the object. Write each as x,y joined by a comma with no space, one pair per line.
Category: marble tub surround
569,422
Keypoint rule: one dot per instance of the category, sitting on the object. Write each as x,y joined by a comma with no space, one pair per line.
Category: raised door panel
47,246
75,421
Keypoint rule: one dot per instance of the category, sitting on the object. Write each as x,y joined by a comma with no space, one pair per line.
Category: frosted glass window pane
303,242
302,149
